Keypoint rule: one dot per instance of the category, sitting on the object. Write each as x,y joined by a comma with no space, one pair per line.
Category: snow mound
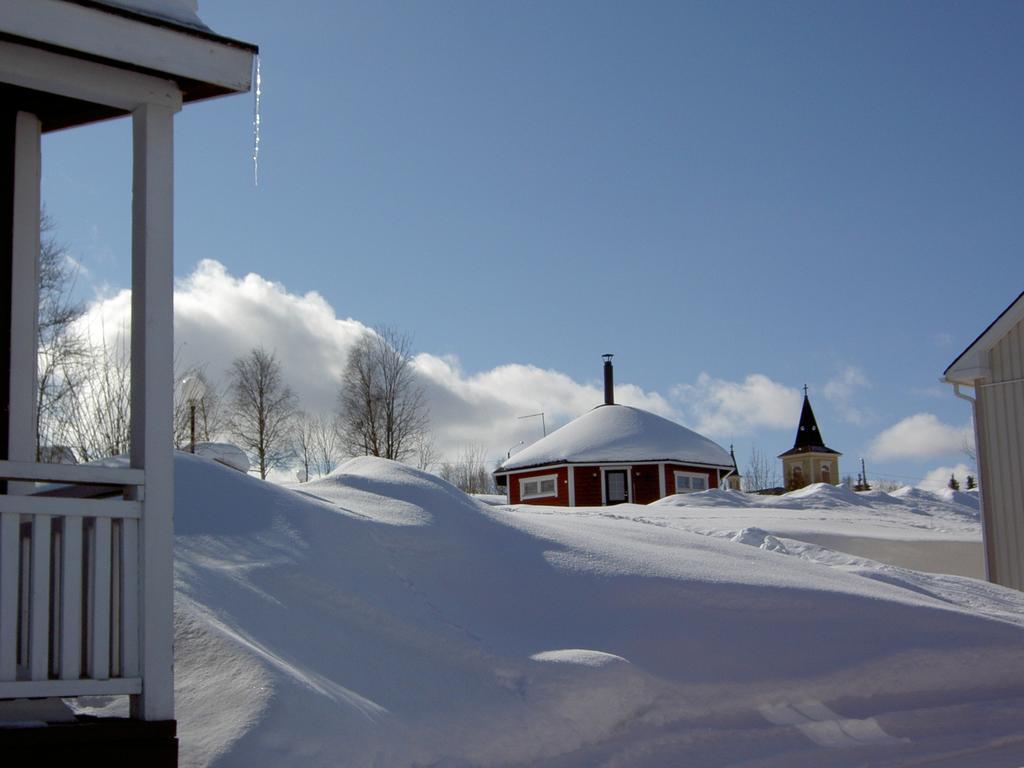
491,499
381,617
915,494
755,537
714,497
579,656
228,454
947,500
822,496
388,491
875,497
963,498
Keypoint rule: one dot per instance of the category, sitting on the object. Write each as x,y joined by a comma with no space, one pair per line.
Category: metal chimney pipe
609,382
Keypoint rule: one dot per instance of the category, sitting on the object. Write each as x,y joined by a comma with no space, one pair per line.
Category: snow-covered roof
122,52
228,454
620,433
182,12
972,363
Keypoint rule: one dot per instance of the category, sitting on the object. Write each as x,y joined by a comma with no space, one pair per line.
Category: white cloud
938,478
920,436
726,408
840,391
219,317
932,393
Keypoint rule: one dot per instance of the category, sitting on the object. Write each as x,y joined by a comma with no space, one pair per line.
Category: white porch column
24,289
152,399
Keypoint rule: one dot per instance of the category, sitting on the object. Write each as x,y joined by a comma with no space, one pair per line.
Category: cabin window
538,487
690,482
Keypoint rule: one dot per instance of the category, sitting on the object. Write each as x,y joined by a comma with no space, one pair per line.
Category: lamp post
508,454
194,390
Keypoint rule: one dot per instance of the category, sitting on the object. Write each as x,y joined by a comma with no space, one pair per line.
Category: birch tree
382,411
262,409
64,353
762,471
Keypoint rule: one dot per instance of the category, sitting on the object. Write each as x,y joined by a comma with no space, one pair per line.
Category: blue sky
811,192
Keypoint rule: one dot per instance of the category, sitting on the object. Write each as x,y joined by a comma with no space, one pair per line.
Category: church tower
809,460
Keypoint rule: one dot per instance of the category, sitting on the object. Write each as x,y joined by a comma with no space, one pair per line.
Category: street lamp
194,390
508,454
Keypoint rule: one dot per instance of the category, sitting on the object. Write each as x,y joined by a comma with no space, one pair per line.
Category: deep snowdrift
382,617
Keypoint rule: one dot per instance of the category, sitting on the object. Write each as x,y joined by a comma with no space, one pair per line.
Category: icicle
256,128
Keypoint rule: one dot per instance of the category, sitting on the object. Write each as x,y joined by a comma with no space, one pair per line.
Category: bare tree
382,407
210,417
63,350
97,408
316,445
302,439
425,451
762,472
262,408
469,472
968,449
326,445
887,485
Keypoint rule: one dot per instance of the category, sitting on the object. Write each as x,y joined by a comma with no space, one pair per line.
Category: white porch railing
69,582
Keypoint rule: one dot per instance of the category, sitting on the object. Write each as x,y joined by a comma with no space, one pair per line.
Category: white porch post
24,289
24,282
152,393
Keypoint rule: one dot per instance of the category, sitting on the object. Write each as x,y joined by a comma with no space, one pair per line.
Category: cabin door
615,489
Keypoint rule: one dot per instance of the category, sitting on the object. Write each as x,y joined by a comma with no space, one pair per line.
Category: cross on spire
805,390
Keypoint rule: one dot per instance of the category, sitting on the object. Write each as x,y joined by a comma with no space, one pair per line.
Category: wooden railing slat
71,600
99,656
130,598
41,688
99,653
9,555
70,473
64,507
39,612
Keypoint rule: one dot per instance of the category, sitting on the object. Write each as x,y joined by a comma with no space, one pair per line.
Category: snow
380,617
620,433
228,454
185,12
492,499
911,527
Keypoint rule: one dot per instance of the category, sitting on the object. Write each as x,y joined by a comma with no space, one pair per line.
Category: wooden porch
86,552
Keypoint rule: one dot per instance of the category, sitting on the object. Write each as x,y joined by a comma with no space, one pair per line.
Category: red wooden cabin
614,454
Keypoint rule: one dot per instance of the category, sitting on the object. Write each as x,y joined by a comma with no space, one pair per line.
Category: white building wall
1001,458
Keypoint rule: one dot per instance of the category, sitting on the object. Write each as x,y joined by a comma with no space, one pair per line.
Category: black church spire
808,436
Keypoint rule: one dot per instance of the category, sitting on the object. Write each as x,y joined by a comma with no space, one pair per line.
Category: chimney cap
607,356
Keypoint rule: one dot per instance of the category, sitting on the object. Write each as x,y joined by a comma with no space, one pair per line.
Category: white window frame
676,474
538,479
